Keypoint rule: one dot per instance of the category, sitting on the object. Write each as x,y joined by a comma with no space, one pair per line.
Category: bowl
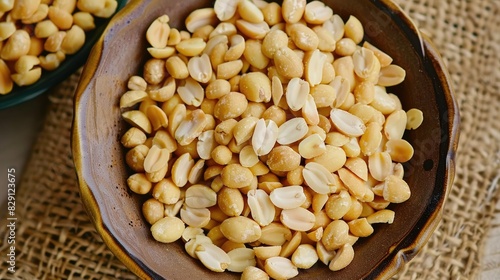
49,79
116,213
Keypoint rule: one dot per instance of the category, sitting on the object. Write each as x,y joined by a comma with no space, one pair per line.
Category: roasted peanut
284,139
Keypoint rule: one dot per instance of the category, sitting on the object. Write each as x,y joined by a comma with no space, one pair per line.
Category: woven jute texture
55,239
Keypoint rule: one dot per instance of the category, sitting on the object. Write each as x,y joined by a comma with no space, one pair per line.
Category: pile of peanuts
38,34
265,137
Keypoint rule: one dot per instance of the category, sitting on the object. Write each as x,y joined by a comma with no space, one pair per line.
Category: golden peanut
166,192
167,229
347,123
400,150
256,86
16,46
312,146
274,40
333,158
254,109
199,18
366,64
61,18
158,32
22,9
254,54
355,185
343,258
264,136
231,105
391,75
138,183
345,47
152,210
6,30
190,128
293,10
324,95
252,30
199,218
224,131
415,117
341,88
85,20
288,64
318,178
241,229
6,5
54,41
299,219
225,9
254,273
240,259
335,235
45,28
313,67
297,93
236,176
292,130
236,49
303,37
191,47
217,88
157,117
354,29
338,205
384,59
230,201
247,157
261,207
280,268
370,141
222,155
200,196
360,227
191,92
229,69
266,252
26,63
133,137
74,40
283,158
176,67
250,12
305,256
316,12
381,216
91,6
52,60
135,157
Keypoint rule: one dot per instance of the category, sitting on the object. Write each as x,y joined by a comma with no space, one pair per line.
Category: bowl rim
398,256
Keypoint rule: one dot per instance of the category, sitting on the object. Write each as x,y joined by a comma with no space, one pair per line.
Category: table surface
19,127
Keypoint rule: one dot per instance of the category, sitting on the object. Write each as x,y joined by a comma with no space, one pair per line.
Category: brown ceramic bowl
116,213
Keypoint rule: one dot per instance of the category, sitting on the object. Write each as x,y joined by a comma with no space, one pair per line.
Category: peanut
285,143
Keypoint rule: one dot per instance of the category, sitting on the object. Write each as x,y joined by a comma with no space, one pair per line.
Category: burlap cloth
55,239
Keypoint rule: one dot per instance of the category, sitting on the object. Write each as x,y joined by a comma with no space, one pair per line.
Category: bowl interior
116,212
49,79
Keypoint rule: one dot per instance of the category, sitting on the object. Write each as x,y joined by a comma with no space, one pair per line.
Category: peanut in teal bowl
50,79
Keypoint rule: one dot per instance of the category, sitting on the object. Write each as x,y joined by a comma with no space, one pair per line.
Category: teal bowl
49,79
